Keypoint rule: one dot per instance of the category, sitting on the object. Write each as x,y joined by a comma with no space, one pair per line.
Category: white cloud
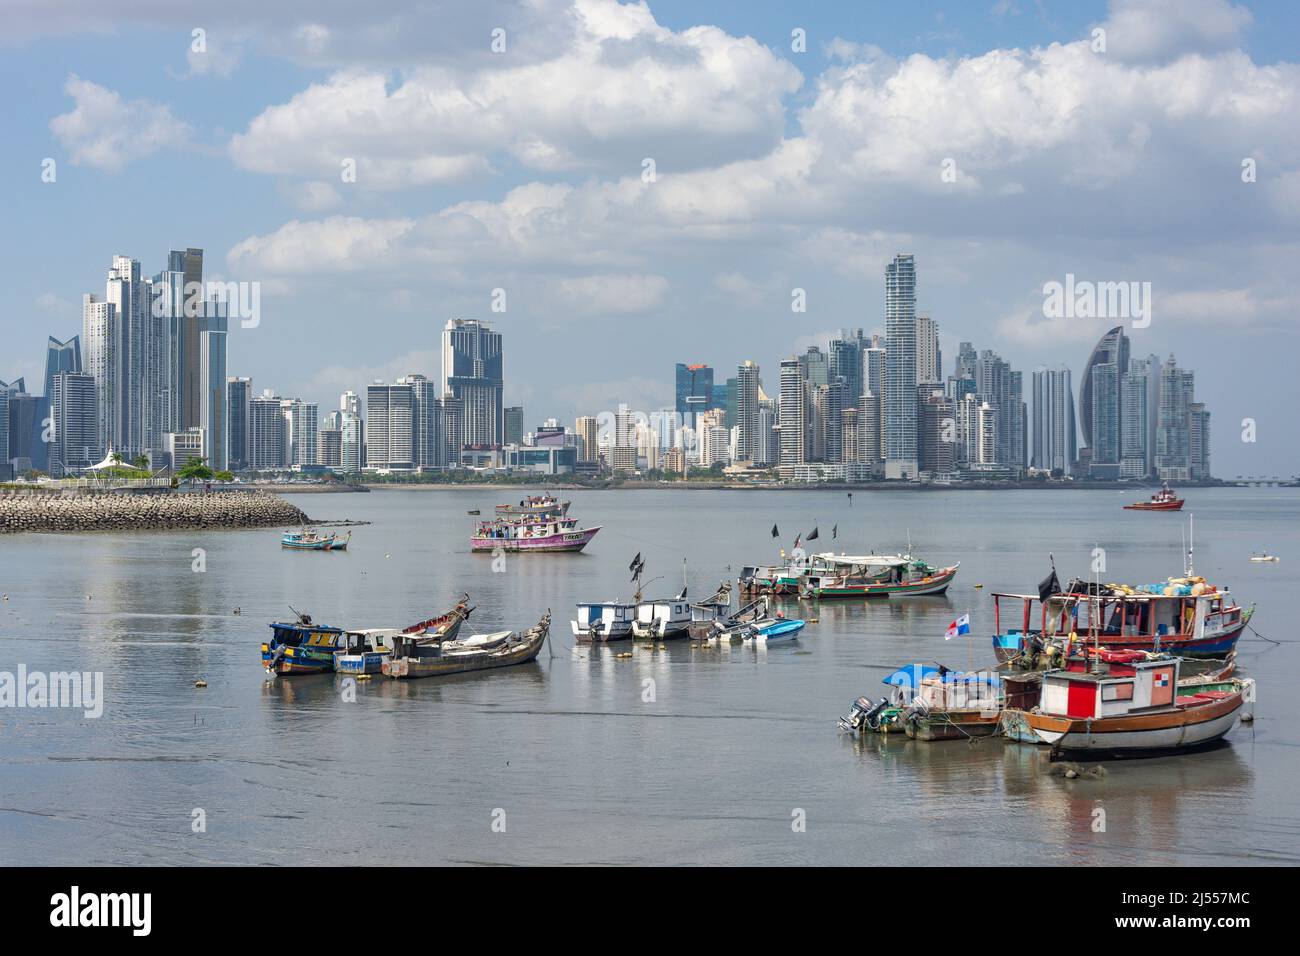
330,245
1160,29
624,88
107,132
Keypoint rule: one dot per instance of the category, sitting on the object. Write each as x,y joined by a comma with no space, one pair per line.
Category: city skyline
358,277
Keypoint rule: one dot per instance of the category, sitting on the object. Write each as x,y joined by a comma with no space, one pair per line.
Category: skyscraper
1173,432
267,433
472,372
1054,434
61,357
514,425
390,427
586,428
188,375
239,392
212,391
793,414
301,427
74,423
929,360
900,368
1094,398
694,391
747,435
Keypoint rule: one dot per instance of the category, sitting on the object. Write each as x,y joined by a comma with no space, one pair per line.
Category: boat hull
1155,506
952,725
371,662
568,541
404,668
1007,647
937,584
659,631
601,635
1164,731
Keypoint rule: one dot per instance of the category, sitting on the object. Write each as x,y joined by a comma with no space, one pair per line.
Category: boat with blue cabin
309,539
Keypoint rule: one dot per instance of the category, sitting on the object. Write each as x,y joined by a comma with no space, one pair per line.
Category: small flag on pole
813,536
959,626
797,539
775,532
835,532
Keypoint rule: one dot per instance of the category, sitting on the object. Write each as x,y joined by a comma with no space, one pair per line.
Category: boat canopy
865,560
911,675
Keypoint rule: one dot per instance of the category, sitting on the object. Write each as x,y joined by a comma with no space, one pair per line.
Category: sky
650,183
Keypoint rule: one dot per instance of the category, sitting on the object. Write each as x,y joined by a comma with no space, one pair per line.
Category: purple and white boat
531,534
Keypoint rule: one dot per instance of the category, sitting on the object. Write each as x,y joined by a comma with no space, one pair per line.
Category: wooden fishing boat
309,539
300,647
603,621
531,535
707,615
365,650
744,621
662,619
951,724
413,659
1163,500
1131,706
929,702
1188,617
866,576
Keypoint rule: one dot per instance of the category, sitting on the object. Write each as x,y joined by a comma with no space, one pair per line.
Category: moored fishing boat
602,621
1187,616
864,576
535,506
662,619
930,702
707,615
364,651
1130,705
413,659
300,647
1163,500
774,630
531,534
309,539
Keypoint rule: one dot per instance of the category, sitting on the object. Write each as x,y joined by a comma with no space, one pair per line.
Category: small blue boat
772,631
309,539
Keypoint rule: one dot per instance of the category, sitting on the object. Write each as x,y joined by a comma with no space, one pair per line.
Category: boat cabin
614,617
1130,684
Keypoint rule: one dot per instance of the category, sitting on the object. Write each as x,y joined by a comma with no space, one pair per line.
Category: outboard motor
862,714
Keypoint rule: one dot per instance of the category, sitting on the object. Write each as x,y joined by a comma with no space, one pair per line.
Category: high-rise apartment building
1055,442
901,455
747,424
390,427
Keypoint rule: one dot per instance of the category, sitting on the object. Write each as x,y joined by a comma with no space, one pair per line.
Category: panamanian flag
959,626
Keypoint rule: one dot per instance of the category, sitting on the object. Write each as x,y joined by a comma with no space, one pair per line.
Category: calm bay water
287,771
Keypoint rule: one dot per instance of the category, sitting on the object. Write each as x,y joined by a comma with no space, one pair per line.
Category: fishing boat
531,534
535,506
744,621
930,702
662,619
300,647
1264,558
875,575
774,630
707,615
1186,616
309,539
778,580
1132,704
412,658
1163,500
603,621
364,651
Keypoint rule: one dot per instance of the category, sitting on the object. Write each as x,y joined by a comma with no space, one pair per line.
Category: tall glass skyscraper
472,373
900,368
1099,398
694,392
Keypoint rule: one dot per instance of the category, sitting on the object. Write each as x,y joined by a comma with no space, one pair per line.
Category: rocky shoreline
116,511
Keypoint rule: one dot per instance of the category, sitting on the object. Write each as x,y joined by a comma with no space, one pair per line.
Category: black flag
775,533
635,561
1048,586
813,536
835,532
